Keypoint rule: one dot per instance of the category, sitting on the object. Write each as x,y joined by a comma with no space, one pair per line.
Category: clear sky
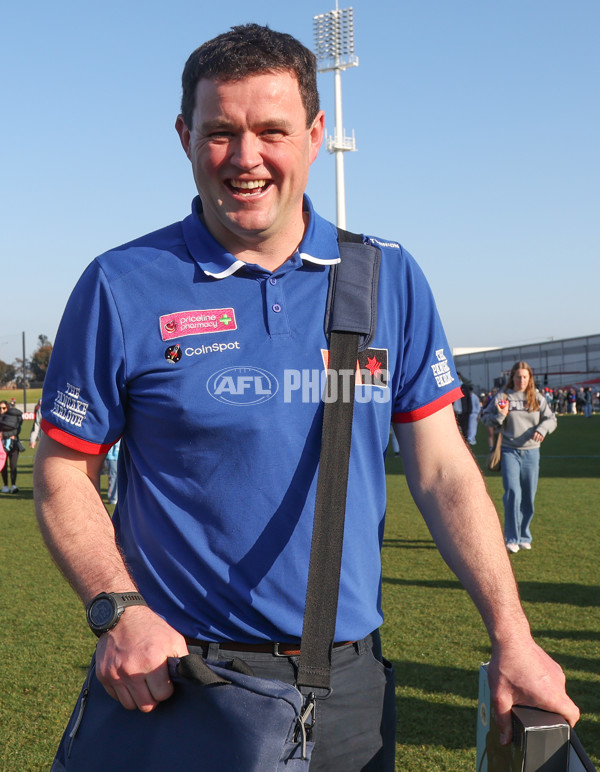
477,127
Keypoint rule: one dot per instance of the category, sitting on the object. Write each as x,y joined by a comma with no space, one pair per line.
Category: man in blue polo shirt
202,347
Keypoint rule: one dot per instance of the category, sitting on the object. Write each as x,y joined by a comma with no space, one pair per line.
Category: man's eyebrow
214,124
223,124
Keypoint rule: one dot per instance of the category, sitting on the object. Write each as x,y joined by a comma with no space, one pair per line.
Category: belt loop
363,645
212,651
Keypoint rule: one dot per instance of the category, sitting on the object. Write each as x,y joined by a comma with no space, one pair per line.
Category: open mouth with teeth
248,187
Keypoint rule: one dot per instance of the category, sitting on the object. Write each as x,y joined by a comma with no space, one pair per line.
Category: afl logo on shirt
242,385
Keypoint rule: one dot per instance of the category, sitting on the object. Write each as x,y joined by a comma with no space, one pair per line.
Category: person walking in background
579,400
473,416
111,468
37,424
395,443
588,408
463,407
11,419
525,419
2,456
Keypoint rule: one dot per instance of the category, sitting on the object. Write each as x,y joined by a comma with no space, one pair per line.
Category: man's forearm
74,522
451,495
464,524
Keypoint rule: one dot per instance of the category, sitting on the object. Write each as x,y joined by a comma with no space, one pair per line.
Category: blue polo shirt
211,370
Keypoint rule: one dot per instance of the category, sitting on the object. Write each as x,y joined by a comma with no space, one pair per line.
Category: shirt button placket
278,323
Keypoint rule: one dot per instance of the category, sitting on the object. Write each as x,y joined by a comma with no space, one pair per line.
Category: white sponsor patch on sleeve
441,370
69,407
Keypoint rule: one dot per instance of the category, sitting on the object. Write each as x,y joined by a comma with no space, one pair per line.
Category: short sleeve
427,380
83,404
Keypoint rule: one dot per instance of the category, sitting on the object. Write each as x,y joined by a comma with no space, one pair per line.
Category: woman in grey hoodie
525,418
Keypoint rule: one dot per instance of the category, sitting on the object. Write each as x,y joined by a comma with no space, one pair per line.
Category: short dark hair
250,49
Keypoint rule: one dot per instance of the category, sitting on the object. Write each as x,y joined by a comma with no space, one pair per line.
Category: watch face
102,612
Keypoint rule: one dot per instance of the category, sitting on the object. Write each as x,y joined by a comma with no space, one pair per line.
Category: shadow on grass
571,635
577,663
433,584
410,544
393,465
571,594
24,494
423,723
580,595
437,679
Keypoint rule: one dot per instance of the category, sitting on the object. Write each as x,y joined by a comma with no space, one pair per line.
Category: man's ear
184,134
317,132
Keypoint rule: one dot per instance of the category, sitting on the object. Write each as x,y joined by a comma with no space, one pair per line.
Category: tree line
15,375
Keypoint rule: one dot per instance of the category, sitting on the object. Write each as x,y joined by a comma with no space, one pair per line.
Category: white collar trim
239,263
319,260
227,272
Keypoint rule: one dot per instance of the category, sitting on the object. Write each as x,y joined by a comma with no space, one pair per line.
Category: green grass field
32,396
432,633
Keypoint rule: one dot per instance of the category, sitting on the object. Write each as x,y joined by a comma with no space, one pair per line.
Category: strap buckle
277,653
305,723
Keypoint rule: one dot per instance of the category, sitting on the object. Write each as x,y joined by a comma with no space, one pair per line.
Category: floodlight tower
334,48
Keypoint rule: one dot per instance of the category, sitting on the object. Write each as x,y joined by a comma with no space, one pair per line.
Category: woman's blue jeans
520,473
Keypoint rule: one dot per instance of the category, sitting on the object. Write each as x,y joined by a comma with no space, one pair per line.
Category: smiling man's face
251,151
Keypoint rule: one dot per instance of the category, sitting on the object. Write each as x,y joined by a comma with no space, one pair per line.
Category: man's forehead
269,84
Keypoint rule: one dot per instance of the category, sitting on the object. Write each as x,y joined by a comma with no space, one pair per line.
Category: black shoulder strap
353,282
352,317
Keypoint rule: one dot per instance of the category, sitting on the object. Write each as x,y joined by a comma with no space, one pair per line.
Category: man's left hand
526,675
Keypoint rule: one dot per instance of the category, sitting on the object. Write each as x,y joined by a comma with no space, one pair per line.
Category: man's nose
247,151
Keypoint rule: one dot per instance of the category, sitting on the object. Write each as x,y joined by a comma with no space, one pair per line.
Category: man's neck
269,253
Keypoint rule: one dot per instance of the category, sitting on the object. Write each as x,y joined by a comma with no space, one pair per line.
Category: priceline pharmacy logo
253,385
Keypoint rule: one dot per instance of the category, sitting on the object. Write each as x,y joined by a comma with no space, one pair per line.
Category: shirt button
272,280
276,307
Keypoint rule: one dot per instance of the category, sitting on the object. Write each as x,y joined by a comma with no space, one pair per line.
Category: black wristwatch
104,611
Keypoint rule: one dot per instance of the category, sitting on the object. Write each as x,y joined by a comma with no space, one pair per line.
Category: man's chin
253,229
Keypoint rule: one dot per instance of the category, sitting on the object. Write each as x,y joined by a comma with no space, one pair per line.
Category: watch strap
128,599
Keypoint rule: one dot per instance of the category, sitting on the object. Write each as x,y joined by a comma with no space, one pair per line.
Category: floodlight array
334,34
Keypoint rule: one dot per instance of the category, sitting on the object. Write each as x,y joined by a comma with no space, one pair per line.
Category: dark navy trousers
355,727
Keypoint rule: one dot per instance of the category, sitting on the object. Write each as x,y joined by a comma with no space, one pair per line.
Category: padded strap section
353,283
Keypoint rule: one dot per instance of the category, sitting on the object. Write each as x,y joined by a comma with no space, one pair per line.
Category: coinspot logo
242,385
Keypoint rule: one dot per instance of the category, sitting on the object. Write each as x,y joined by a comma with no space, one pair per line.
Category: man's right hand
131,659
